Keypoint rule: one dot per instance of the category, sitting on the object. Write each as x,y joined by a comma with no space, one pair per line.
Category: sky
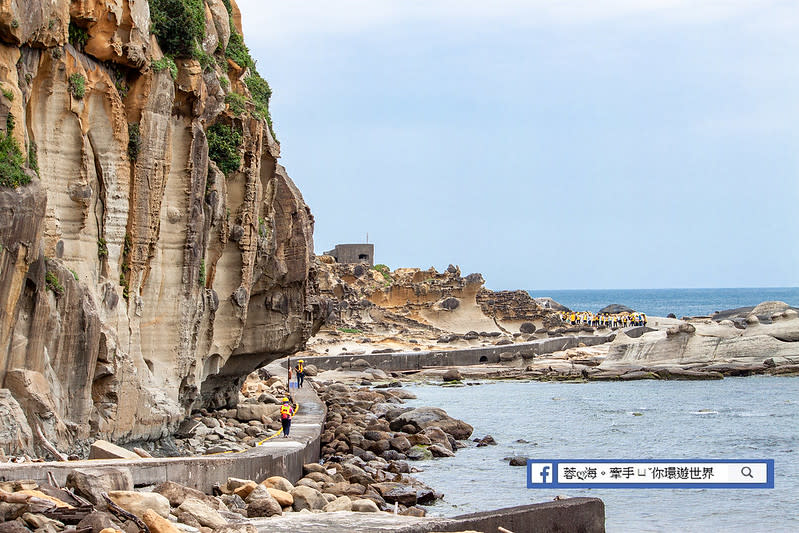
547,144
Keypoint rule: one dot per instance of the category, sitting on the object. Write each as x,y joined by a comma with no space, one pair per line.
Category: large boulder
342,503
90,483
102,449
423,417
307,498
139,502
205,515
16,436
365,506
177,494
285,499
260,502
279,483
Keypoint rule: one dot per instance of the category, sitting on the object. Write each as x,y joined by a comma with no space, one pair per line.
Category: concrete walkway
277,457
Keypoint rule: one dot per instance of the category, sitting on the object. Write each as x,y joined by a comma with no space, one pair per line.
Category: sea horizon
679,301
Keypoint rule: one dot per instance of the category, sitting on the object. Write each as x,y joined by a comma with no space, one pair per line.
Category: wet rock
396,492
452,375
419,453
400,443
439,451
423,417
485,441
517,461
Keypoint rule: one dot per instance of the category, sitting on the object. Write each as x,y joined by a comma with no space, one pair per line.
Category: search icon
747,472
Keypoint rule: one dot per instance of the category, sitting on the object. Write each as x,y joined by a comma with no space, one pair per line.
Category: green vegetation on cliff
12,160
179,26
224,144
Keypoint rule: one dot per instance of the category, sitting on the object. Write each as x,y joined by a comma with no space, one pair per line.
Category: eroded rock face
124,301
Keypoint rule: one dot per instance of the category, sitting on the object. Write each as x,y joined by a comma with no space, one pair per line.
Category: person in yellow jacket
286,414
300,369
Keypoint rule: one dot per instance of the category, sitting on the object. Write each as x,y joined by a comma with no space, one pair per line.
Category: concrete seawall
400,361
572,515
279,456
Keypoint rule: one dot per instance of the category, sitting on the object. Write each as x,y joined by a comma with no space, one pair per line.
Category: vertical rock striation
139,281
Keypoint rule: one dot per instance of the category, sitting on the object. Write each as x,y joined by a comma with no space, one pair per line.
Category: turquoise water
750,418
661,302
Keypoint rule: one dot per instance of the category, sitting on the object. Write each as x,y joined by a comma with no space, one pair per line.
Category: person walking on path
286,414
300,369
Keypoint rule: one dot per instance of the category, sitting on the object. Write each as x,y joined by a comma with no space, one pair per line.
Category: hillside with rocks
152,250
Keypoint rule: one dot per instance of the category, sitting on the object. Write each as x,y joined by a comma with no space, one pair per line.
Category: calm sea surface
748,418
661,302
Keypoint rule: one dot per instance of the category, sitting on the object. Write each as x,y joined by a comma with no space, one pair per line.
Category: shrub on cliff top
224,144
179,25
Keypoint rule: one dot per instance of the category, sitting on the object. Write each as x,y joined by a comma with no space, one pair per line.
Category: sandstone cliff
158,253
414,299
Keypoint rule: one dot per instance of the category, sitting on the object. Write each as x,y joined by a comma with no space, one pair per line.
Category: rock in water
615,309
423,417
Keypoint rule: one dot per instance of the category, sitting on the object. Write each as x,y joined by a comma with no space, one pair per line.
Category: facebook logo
540,473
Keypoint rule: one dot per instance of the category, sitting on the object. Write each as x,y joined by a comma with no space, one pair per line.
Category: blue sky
546,144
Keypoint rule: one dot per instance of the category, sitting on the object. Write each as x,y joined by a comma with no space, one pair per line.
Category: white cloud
287,19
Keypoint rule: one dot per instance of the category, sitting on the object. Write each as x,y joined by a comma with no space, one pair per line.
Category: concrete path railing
276,457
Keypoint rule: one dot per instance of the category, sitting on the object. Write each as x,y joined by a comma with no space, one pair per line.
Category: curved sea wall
152,251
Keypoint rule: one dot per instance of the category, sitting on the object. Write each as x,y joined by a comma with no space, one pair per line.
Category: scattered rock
365,506
102,449
261,503
342,503
157,523
202,513
452,374
307,498
518,461
139,502
90,483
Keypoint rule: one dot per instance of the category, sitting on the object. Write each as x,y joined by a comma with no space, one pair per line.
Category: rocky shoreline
369,443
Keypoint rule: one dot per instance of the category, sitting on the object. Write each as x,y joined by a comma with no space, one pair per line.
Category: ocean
661,302
735,418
